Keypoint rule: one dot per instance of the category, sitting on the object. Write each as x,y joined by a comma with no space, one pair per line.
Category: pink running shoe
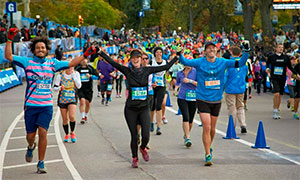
135,162
66,138
73,138
145,154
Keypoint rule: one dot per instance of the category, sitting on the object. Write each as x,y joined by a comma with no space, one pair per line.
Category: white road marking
32,164
244,142
63,149
24,137
4,143
24,149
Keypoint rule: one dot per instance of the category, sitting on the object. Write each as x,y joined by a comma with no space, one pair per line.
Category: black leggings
119,84
133,118
158,97
188,109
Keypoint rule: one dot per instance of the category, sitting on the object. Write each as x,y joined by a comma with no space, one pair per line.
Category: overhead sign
146,4
141,13
286,4
11,7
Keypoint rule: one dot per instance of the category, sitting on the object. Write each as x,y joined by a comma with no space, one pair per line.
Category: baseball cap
208,44
135,52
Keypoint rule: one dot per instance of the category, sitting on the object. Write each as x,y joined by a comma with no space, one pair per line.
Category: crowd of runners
197,69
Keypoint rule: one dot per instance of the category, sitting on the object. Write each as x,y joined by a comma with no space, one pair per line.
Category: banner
8,79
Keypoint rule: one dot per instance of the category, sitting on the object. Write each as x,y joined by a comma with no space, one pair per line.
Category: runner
119,80
38,106
137,106
186,82
174,70
297,92
278,63
291,83
159,90
210,79
234,90
106,72
85,93
67,82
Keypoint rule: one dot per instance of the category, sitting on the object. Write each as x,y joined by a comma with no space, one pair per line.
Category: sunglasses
145,58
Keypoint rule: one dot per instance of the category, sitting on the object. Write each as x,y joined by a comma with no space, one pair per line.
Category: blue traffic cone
178,112
230,134
260,141
168,103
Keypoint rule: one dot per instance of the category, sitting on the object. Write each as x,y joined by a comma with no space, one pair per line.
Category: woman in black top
137,106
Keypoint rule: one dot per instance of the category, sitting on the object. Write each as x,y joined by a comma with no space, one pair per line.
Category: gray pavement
103,151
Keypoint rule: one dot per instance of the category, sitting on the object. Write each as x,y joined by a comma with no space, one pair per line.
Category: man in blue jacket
234,90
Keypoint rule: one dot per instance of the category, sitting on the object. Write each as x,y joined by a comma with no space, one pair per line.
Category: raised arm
240,63
113,63
8,49
189,62
91,50
155,69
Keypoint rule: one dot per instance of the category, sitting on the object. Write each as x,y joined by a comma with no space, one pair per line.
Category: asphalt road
103,152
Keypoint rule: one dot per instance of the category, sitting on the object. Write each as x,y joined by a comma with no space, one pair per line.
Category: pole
141,25
79,37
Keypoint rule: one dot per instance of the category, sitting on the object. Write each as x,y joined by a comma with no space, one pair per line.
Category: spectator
58,53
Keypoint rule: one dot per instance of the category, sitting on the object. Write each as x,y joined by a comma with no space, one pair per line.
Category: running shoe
66,138
292,108
208,160
288,104
296,116
187,142
243,129
145,154
29,153
135,162
82,120
102,101
98,95
158,132
152,127
73,137
165,121
106,103
275,115
41,169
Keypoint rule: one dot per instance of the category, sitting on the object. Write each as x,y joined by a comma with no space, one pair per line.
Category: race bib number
84,78
139,93
190,95
212,83
68,93
43,86
278,70
159,81
109,87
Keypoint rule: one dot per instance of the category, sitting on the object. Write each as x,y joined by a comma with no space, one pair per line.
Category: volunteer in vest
106,73
209,93
137,105
67,83
85,93
234,90
186,82
276,69
159,90
38,106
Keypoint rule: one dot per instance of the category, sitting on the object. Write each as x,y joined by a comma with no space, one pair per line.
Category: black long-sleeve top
137,77
281,61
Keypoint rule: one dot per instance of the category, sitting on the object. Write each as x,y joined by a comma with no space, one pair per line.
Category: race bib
109,87
84,78
278,70
293,82
43,86
68,93
190,95
212,83
159,81
139,93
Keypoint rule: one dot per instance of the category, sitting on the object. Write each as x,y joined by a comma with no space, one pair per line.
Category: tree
26,8
249,9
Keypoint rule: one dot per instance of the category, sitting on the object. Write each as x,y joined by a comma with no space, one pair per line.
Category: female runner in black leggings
137,107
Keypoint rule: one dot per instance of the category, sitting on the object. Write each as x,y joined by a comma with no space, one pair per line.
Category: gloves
246,46
11,33
91,50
